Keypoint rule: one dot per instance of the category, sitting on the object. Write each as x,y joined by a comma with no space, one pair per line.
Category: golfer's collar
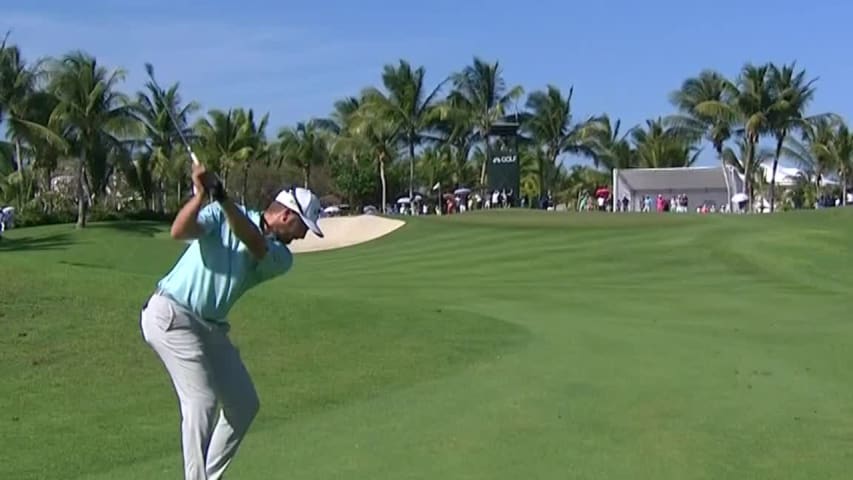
264,226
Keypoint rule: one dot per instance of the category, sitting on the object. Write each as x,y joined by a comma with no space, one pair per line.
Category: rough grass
483,346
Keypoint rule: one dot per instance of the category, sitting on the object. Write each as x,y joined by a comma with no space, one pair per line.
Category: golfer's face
292,228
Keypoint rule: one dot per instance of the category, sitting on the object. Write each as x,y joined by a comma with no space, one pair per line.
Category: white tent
702,185
787,176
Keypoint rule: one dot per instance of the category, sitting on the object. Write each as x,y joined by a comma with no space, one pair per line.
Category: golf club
217,192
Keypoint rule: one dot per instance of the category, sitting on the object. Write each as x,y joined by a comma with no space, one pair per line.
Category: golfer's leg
240,404
181,347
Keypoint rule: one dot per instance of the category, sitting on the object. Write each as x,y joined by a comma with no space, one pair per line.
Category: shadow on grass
147,228
57,241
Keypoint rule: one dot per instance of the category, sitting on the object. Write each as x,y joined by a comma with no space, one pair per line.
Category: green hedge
32,217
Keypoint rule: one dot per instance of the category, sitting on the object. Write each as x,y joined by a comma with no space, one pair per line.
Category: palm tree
160,141
611,150
740,159
583,181
455,130
751,107
435,165
372,135
304,146
18,83
827,147
660,147
407,103
698,100
137,166
481,90
550,126
840,149
226,140
260,149
28,128
791,94
341,116
91,114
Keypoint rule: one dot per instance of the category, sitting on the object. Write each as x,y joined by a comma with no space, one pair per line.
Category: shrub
33,217
30,217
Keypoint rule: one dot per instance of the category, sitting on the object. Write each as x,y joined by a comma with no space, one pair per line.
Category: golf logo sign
503,171
505,159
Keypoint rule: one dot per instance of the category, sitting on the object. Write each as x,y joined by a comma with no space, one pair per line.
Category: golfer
184,321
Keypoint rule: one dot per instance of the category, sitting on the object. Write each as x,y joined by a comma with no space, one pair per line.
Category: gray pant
205,368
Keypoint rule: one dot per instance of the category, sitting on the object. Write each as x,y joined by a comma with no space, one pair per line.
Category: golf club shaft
216,190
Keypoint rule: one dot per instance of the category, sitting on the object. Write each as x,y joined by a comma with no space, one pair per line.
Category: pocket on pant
160,314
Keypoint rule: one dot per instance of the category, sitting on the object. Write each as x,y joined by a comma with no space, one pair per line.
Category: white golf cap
305,203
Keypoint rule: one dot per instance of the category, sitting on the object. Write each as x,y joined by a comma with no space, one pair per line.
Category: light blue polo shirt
217,268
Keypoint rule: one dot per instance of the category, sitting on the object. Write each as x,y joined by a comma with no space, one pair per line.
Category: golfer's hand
201,179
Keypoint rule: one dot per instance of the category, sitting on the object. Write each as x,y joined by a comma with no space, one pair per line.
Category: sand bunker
345,232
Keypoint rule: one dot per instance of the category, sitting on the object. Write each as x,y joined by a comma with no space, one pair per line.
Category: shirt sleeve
277,261
210,218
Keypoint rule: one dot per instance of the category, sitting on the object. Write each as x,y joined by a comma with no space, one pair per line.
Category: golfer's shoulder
279,258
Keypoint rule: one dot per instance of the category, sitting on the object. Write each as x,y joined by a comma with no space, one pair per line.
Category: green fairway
493,345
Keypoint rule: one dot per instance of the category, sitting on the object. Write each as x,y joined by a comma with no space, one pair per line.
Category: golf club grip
214,189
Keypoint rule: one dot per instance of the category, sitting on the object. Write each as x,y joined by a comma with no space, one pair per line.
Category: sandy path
345,232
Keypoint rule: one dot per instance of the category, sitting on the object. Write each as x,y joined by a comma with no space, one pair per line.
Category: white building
702,185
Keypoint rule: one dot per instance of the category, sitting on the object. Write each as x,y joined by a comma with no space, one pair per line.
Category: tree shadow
58,241
147,228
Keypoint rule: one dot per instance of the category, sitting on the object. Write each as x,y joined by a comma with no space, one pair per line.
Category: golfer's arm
185,226
244,229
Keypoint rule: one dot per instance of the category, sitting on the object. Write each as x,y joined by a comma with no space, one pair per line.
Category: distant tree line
78,144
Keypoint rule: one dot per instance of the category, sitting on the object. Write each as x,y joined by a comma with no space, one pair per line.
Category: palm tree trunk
718,147
485,162
18,157
747,173
48,176
82,197
382,180
306,175
411,168
843,190
779,142
158,198
817,188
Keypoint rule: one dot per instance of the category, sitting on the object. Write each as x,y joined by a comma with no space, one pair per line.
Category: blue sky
294,59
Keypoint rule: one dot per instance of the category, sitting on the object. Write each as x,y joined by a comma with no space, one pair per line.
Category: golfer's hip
166,314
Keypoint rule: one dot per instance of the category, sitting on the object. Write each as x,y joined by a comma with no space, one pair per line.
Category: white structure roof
702,185
673,179
787,176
